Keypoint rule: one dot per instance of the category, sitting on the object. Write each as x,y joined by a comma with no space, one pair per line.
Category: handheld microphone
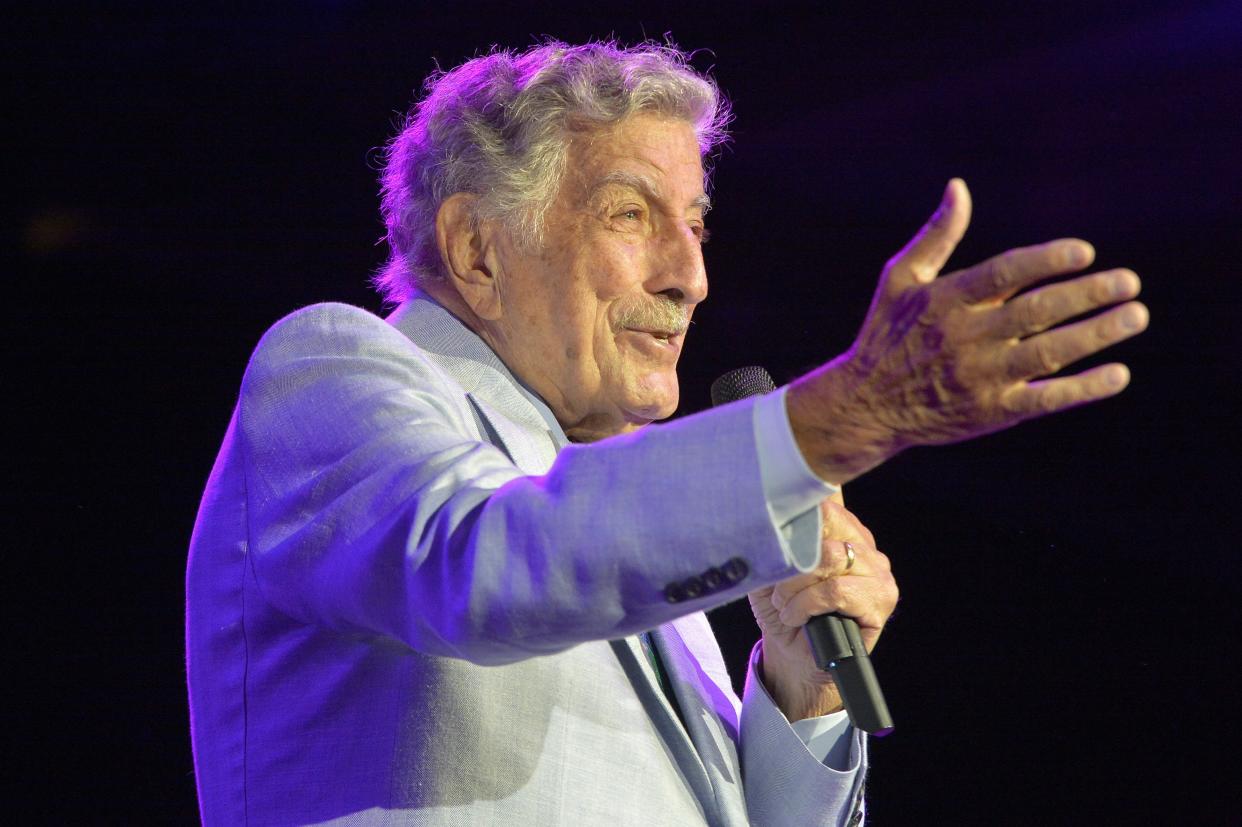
835,640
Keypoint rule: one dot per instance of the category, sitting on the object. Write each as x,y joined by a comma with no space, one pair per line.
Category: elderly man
442,574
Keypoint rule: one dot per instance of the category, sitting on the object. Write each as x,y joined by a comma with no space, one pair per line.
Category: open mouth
658,344
662,322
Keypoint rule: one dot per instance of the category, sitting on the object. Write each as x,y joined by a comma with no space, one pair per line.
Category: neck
578,428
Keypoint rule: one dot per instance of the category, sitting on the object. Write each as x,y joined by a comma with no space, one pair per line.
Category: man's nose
680,274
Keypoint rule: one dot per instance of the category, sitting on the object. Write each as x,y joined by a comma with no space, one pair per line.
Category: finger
921,260
785,590
834,560
1049,306
1001,276
868,562
1052,395
1050,351
823,599
869,600
841,524
869,536
761,605
877,561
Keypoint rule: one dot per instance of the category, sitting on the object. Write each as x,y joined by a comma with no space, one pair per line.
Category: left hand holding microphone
853,578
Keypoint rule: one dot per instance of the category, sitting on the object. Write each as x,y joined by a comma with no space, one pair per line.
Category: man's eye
702,234
632,214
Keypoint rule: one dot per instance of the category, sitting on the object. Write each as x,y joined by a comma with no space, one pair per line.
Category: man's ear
464,251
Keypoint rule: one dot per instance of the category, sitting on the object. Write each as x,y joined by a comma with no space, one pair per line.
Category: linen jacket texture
411,601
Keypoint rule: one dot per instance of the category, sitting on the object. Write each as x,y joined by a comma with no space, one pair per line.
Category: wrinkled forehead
648,187
654,155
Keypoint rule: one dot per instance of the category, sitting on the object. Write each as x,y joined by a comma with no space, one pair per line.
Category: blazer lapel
664,718
705,694
532,449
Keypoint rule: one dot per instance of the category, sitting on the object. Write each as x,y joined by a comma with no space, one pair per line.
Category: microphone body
836,643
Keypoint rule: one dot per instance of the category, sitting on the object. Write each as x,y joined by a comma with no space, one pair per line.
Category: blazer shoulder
331,324
345,346
336,330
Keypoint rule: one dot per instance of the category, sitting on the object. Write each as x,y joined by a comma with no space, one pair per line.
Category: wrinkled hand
946,358
867,593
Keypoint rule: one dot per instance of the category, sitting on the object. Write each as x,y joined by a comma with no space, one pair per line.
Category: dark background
1064,652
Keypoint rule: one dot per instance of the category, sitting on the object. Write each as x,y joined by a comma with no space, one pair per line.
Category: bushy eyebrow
646,186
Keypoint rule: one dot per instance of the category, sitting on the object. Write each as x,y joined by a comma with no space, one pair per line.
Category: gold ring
850,557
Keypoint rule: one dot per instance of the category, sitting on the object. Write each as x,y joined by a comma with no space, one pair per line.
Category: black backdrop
1064,651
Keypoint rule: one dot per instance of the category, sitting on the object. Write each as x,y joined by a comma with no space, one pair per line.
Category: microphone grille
741,383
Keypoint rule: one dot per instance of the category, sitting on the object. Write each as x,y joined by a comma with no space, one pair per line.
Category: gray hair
498,126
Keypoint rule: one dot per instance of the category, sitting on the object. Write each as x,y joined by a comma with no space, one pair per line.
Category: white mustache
660,314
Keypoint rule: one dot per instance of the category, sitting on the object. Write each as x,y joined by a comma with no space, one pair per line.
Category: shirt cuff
828,738
792,490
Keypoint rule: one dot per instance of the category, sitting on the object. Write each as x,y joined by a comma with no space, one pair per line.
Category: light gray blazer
409,601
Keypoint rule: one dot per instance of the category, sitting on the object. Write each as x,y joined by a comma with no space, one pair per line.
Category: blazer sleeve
785,784
373,507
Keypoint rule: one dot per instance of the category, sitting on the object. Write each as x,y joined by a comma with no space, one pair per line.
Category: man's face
594,321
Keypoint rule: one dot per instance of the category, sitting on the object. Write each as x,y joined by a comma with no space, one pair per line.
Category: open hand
942,358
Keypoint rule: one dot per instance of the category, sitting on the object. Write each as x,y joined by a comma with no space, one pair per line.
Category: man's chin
646,411
623,418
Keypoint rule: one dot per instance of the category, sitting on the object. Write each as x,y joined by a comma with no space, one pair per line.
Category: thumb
921,260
